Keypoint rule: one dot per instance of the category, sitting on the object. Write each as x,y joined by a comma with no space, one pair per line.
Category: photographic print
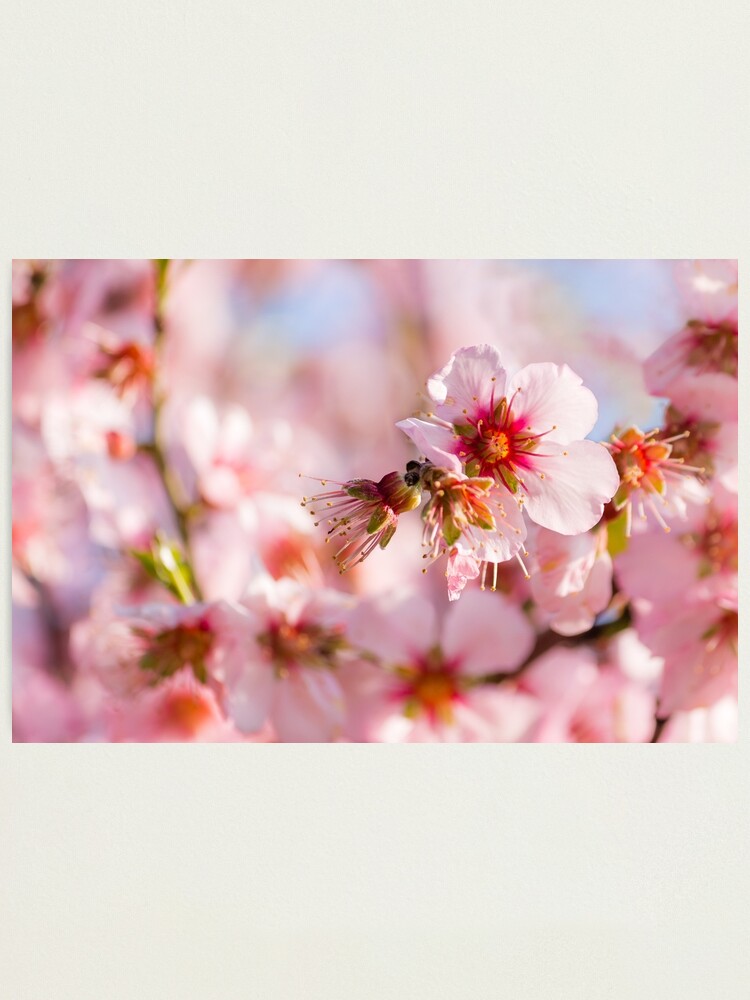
374,501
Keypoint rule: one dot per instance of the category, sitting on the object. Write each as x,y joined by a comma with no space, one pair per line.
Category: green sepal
500,411
621,497
511,481
378,519
451,533
484,523
363,489
617,537
388,534
465,430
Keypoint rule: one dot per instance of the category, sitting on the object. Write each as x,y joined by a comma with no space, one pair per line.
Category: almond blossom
130,649
428,679
687,612
297,643
467,519
572,582
582,702
651,479
526,432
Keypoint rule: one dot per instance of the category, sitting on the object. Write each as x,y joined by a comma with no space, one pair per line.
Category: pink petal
395,628
579,479
462,567
247,695
561,676
466,381
236,434
691,680
708,396
508,538
434,442
308,707
200,432
677,565
553,396
486,633
502,716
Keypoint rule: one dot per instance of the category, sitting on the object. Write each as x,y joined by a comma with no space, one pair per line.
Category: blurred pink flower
706,407
572,581
429,681
118,294
583,703
130,649
289,674
708,290
687,612
179,709
707,345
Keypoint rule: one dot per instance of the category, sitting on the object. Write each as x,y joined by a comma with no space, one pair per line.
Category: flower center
714,349
173,649
291,646
185,712
434,691
431,686
497,444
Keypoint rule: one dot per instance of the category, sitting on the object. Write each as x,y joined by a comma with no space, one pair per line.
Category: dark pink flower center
494,442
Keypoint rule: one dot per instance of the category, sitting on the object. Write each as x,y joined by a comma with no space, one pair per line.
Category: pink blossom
572,582
583,703
289,673
428,683
179,709
698,641
50,529
652,481
702,420
49,705
686,612
471,522
709,289
708,342
224,456
119,294
130,649
525,432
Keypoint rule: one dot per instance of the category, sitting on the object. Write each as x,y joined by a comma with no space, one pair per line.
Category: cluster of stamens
646,466
126,367
714,348
309,645
430,686
363,513
170,650
496,444
460,508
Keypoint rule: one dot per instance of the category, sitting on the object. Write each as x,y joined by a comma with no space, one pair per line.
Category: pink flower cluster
525,571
